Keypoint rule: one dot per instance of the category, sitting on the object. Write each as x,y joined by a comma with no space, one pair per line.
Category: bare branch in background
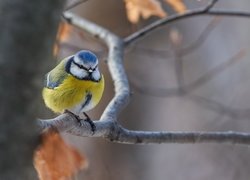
73,5
182,50
189,88
215,71
201,39
219,107
197,12
165,92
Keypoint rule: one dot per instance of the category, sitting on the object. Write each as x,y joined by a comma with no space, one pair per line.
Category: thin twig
220,108
73,5
210,5
187,89
201,39
165,92
215,71
182,50
207,11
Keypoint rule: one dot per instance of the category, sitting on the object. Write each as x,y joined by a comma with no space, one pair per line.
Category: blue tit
75,84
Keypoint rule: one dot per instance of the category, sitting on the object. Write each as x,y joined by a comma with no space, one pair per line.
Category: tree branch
146,137
112,131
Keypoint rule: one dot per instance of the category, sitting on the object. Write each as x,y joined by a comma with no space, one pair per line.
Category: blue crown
86,56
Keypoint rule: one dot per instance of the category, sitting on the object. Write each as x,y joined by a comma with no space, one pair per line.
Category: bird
74,86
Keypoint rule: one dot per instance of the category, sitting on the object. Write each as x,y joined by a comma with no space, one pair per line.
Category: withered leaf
144,8
55,160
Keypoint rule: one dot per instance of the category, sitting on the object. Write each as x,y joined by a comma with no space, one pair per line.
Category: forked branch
108,126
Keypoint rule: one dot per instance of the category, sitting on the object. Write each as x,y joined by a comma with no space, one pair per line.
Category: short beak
90,70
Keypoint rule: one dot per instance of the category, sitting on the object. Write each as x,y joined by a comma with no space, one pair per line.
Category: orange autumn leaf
144,8
177,5
63,33
55,160
55,49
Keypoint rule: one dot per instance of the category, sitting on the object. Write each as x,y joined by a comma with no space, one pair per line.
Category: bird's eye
94,68
82,67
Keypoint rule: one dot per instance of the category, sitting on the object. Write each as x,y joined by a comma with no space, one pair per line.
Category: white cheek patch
96,75
77,72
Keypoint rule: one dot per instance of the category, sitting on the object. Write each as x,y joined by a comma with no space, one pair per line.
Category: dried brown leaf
177,5
144,8
56,49
55,160
63,34
64,31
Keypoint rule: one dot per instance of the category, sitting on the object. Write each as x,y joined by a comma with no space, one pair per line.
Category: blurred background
190,75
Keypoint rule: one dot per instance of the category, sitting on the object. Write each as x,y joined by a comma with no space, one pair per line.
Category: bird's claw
91,123
69,112
81,121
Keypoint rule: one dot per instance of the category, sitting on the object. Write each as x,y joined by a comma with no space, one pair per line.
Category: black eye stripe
80,66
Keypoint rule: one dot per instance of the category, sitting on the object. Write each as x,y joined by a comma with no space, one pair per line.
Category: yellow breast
72,92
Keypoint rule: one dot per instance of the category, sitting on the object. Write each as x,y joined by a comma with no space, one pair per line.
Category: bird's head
84,65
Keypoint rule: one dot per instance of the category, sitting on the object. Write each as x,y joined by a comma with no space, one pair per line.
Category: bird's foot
69,112
80,121
91,123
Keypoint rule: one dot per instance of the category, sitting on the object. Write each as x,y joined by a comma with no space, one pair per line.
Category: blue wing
56,76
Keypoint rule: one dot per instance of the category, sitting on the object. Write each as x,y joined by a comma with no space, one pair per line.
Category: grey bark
27,33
